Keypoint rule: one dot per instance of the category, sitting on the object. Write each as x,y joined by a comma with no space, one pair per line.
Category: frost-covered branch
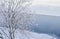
16,13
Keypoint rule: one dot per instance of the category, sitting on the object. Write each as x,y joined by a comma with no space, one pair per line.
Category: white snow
23,34
31,35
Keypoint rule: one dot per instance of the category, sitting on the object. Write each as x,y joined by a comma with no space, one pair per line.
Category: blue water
46,24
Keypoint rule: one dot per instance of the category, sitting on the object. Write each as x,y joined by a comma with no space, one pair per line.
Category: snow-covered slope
32,35
46,10
23,34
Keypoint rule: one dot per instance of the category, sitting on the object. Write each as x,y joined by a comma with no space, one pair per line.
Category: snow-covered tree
16,13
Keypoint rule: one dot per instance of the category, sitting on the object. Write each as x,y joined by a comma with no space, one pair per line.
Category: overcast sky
46,2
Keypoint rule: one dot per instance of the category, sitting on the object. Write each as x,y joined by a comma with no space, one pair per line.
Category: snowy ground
19,34
32,35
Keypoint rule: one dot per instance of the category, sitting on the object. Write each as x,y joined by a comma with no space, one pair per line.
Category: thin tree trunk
11,32
11,35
